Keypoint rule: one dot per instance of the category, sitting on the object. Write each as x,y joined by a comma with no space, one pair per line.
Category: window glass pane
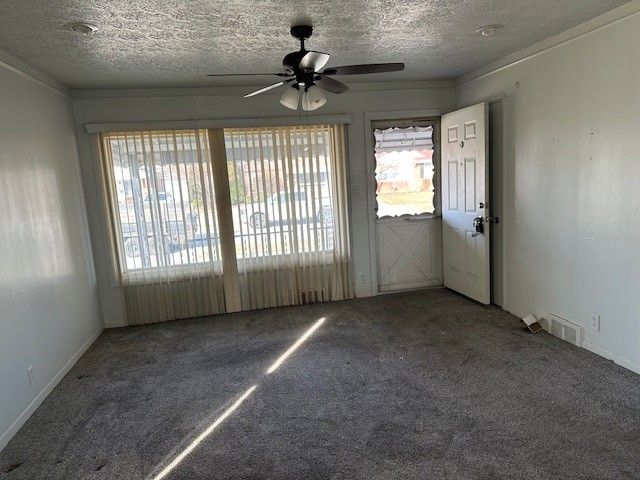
164,209
281,194
404,171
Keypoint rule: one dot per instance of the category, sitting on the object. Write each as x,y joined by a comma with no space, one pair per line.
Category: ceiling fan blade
331,85
278,74
366,68
270,87
314,61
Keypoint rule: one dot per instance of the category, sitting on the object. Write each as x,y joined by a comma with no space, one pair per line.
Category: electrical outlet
31,373
595,322
362,278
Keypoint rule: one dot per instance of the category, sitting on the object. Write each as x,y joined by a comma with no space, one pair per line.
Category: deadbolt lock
478,225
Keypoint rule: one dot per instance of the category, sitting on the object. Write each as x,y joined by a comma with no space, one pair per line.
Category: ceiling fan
302,72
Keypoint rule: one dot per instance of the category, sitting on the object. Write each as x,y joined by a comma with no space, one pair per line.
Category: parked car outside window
282,208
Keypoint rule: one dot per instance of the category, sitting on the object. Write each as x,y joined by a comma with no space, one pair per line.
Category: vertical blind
164,224
290,214
206,221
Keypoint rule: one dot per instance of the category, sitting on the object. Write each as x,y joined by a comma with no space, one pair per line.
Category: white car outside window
282,208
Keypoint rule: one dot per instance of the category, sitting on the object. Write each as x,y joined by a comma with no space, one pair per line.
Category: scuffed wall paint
572,174
49,306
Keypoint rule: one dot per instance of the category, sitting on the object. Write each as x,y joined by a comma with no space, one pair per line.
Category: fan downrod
292,60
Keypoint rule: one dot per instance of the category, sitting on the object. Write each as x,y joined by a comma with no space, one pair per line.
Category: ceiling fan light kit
313,98
290,98
302,71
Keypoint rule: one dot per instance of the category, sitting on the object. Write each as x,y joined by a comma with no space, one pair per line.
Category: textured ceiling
161,43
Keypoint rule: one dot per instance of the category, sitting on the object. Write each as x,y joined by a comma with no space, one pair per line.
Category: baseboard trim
615,358
27,412
623,362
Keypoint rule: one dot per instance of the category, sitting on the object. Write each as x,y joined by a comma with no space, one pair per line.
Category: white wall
573,180
49,309
202,104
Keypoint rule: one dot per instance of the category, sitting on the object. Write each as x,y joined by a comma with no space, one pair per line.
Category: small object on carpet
532,323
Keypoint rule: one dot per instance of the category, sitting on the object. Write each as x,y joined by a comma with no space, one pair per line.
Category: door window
404,171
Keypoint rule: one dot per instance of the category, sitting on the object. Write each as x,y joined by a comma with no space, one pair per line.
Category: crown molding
221,91
596,24
15,65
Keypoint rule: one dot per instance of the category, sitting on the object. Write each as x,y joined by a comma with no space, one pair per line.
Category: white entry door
465,208
408,231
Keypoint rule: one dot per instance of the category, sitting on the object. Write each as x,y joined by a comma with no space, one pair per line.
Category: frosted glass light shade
290,98
313,98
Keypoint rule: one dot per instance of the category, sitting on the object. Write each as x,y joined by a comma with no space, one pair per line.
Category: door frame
369,143
496,196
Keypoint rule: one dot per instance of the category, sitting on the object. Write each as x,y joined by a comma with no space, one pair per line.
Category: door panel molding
410,254
465,250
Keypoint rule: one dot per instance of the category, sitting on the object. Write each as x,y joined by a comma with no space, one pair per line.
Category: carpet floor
422,385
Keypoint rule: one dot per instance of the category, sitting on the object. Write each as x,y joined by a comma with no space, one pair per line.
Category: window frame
121,277
111,213
291,198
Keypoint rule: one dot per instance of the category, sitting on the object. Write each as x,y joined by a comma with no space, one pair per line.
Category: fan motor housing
292,60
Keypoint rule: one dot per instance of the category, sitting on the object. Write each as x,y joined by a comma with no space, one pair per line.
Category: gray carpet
425,385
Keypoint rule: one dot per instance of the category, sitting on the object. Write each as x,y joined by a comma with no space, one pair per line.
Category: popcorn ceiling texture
162,43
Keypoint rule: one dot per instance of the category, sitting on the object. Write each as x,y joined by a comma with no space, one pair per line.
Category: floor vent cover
564,329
